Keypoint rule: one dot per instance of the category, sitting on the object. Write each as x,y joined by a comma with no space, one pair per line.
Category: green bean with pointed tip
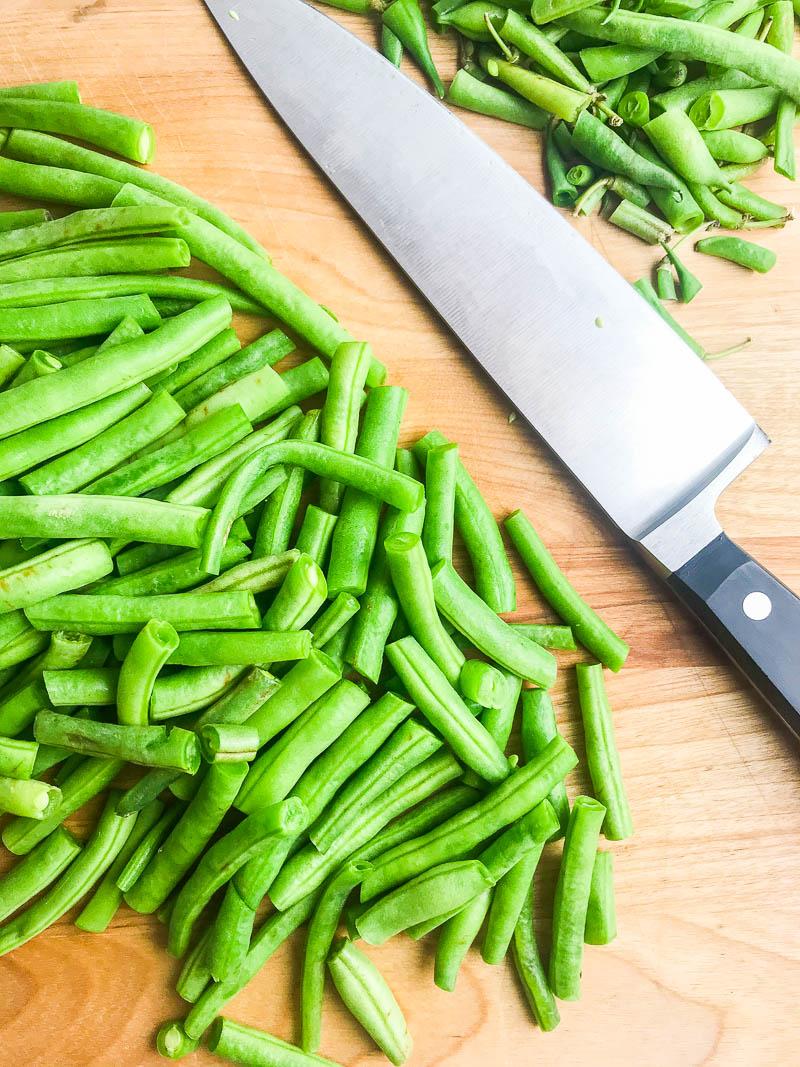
472,94
605,148
405,20
690,286
530,970
740,198
736,250
558,99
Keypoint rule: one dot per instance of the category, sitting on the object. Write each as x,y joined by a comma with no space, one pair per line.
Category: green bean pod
472,94
277,519
37,870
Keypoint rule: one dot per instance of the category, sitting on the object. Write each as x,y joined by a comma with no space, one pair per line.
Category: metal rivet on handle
757,606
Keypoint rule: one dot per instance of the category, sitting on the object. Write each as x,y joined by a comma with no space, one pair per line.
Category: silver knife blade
641,422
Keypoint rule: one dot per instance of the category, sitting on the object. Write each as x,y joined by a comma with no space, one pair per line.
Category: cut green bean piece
17,757
538,730
106,129
315,535
587,626
601,751
474,95
126,256
150,746
67,566
340,413
643,224
37,870
171,575
90,614
455,939
441,471
277,519
547,635
27,798
75,318
572,896
506,907
191,689
151,649
530,970
244,1044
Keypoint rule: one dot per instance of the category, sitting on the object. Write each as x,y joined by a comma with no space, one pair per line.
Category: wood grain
707,961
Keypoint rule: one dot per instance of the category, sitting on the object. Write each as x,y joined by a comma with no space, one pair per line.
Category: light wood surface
707,962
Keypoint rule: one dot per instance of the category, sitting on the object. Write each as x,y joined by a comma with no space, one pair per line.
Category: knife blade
640,421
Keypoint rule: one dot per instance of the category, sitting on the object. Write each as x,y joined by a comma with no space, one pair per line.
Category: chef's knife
641,422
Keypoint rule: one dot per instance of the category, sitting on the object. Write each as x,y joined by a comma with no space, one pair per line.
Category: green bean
389,486
217,649
236,704
734,146
601,917
272,776
370,1000
678,206
457,934
305,683
31,799
685,95
579,175
441,469
714,208
601,146
151,649
100,851
677,140
572,896
266,351
547,635
538,730
56,90
127,256
67,566
562,191
522,791
690,286
89,461
601,751
92,614
548,56
189,837
308,869
634,108
472,617
552,96
259,279
258,394
255,575
745,200
408,746
356,531
391,46
665,281
646,290
195,974
191,689
412,582
74,318
474,95
589,629
470,19
300,596
315,534
506,908
339,419
243,1044
434,892
116,133
173,1043
37,365
442,706
321,931
228,744
16,220
530,970
171,575
781,36
475,522
39,868
100,910
670,74
694,40
41,148
200,363
147,847
483,684
405,20
10,363
150,746
222,861
203,484
278,517
55,183
734,249
101,375
641,223
605,62
723,109
17,757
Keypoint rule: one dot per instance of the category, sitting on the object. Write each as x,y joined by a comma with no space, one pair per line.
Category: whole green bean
151,649
100,910
590,630
530,970
522,791
736,250
308,869
601,751
222,861
469,19
442,706
274,773
97,856
39,868
370,1000
572,896
92,614
189,837
69,565
476,524
474,95
405,20
277,519
57,90
114,370
386,485
605,148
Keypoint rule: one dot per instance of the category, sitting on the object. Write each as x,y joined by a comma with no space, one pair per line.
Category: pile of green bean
227,594
652,111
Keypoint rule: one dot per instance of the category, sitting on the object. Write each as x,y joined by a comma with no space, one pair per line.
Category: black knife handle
753,616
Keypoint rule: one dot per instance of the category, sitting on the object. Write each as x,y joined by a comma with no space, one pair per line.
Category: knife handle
752,615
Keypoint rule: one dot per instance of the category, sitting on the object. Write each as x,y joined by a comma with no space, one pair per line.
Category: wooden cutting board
707,961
